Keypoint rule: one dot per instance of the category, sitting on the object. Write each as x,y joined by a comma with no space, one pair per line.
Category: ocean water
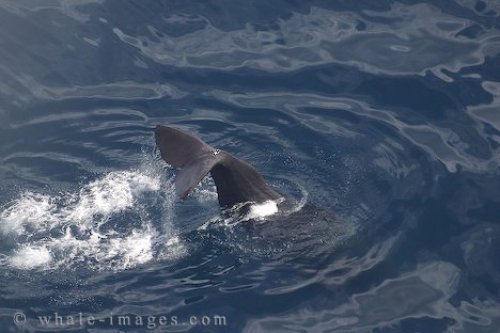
378,121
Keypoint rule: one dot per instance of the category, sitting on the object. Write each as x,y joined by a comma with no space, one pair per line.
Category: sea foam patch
79,228
28,257
261,210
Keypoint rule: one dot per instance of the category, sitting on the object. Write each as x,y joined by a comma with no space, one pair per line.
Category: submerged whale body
237,182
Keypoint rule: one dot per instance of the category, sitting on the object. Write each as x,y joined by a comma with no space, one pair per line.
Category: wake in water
118,221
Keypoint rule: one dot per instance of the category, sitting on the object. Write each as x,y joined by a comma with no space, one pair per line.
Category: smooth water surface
378,121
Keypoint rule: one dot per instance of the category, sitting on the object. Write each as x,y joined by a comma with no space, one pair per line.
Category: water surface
378,121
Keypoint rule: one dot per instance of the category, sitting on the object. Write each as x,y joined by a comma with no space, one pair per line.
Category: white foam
114,193
74,228
29,209
174,248
256,212
28,257
259,211
135,249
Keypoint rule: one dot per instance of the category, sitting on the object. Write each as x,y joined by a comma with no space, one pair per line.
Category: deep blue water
379,121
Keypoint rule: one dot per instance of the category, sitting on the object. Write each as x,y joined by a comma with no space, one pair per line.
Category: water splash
107,224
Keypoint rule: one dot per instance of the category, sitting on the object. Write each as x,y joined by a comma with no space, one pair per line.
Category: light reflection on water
378,122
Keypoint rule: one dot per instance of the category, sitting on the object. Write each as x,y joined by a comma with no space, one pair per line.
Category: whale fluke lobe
236,180
178,148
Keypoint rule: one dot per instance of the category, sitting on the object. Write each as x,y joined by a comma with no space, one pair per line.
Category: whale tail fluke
236,181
